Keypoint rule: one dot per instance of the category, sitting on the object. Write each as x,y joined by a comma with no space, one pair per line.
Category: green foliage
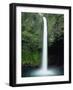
32,33
31,58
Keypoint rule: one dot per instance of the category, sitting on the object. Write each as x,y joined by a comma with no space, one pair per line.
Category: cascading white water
44,53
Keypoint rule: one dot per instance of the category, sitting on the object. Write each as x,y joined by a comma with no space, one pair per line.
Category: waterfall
44,53
44,69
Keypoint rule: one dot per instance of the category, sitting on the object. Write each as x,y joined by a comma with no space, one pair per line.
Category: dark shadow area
56,54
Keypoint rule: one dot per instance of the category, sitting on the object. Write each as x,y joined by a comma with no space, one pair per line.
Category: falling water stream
44,53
